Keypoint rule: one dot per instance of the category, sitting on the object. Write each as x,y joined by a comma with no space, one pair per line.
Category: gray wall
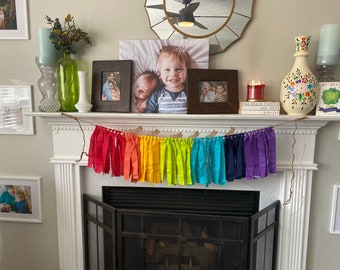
266,52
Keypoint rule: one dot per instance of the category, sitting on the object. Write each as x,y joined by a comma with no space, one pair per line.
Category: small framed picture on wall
111,85
13,19
20,199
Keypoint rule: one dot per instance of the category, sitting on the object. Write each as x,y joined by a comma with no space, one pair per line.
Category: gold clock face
221,21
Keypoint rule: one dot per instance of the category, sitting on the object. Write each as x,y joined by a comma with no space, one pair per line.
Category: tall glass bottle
68,85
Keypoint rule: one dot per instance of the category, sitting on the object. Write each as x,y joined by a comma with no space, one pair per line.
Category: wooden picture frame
111,85
14,25
23,189
212,101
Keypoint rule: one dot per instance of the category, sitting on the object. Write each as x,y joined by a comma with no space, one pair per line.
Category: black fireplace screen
160,241
152,238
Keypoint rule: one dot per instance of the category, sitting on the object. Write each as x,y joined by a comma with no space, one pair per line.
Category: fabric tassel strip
106,151
183,161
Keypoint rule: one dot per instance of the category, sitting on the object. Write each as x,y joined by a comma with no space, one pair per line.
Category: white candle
329,45
47,54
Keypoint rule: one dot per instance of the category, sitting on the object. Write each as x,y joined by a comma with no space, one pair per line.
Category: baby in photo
145,83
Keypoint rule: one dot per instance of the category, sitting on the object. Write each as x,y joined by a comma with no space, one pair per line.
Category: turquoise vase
68,84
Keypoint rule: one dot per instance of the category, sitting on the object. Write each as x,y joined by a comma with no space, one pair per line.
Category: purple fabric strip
256,168
262,152
249,155
271,141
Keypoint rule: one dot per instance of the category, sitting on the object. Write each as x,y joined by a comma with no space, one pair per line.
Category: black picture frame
228,78
122,70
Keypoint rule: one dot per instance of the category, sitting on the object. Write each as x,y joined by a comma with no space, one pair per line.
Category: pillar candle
255,90
329,45
47,54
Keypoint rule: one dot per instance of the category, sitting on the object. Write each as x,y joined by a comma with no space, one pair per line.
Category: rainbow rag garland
183,161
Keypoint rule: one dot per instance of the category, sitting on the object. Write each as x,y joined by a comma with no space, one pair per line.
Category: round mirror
221,21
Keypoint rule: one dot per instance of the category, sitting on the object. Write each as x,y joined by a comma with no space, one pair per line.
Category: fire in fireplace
179,228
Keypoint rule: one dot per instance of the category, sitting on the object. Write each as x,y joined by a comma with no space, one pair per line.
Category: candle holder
255,90
47,84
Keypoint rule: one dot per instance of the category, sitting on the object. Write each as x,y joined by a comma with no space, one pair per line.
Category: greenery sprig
65,36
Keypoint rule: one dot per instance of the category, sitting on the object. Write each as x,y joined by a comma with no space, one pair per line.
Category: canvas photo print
159,74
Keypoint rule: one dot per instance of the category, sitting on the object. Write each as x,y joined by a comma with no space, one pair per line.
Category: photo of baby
159,79
142,88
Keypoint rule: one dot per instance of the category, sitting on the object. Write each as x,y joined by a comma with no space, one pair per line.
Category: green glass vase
68,84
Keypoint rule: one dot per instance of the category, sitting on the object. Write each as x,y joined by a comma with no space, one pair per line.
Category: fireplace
295,172
164,228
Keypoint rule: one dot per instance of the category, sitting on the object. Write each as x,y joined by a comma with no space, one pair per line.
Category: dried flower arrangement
65,36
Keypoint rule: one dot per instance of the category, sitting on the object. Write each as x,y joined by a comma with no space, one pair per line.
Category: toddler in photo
172,67
22,204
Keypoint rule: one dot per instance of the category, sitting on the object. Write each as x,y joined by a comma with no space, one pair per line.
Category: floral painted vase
299,89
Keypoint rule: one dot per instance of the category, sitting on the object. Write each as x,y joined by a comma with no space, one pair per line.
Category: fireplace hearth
167,228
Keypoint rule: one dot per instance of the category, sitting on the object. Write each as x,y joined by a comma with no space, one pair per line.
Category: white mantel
68,144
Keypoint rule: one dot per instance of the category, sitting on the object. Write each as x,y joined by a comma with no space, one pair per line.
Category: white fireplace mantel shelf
68,142
183,120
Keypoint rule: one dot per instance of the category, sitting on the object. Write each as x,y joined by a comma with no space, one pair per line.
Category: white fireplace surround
68,141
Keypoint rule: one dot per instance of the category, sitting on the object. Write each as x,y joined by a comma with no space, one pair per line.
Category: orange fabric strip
131,159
